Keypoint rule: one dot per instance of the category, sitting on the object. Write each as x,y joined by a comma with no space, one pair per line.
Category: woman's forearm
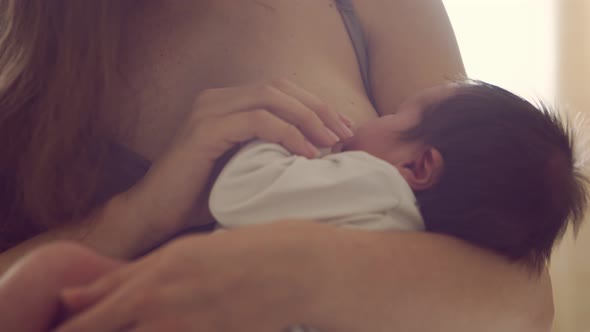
132,222
110,230
333,279
402,281
136,220
168,198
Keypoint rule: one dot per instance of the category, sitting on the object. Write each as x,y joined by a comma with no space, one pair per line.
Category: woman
77,75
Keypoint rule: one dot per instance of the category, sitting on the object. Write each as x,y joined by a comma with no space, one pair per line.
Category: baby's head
486,166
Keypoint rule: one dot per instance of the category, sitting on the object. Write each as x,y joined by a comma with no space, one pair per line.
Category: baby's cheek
379,147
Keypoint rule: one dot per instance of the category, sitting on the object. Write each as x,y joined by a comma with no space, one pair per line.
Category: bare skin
167,43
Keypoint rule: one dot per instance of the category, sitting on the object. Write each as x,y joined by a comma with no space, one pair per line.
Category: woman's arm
425,282
158,206
113,221
130,223
266,277
136,220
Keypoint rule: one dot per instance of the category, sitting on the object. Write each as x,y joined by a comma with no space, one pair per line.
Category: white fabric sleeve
264,182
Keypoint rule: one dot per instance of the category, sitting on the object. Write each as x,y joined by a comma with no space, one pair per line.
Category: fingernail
312,151
345,131
347,121
333,138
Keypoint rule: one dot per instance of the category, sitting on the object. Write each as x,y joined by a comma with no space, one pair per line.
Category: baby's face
380,137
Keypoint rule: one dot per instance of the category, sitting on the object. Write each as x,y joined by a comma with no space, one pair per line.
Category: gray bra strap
358,40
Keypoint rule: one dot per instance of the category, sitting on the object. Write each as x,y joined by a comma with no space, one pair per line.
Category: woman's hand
239,280
279,112
171,196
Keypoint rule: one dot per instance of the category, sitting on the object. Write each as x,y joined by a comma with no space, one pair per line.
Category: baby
468,159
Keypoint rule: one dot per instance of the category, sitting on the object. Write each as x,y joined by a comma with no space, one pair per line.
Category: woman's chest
175,50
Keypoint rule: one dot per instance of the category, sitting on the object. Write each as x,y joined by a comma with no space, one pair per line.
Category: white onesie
263,183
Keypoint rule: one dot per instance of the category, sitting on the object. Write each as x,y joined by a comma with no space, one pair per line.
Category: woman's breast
175,50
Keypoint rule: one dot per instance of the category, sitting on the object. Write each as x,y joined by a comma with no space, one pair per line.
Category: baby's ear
424,170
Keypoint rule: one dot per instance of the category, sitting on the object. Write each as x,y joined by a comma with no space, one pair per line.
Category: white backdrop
510,43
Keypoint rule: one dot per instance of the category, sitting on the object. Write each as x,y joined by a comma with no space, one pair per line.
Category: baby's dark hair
508,182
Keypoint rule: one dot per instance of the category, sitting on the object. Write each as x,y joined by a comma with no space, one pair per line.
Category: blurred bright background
539,49
508,42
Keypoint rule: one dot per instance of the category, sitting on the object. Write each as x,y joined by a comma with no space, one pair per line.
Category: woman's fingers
77,299
331,119
93,319
103,299
346,120
270,128
294,111
263,124
319,123
177,289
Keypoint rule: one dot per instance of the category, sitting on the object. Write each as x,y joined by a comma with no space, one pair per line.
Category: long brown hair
56,59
